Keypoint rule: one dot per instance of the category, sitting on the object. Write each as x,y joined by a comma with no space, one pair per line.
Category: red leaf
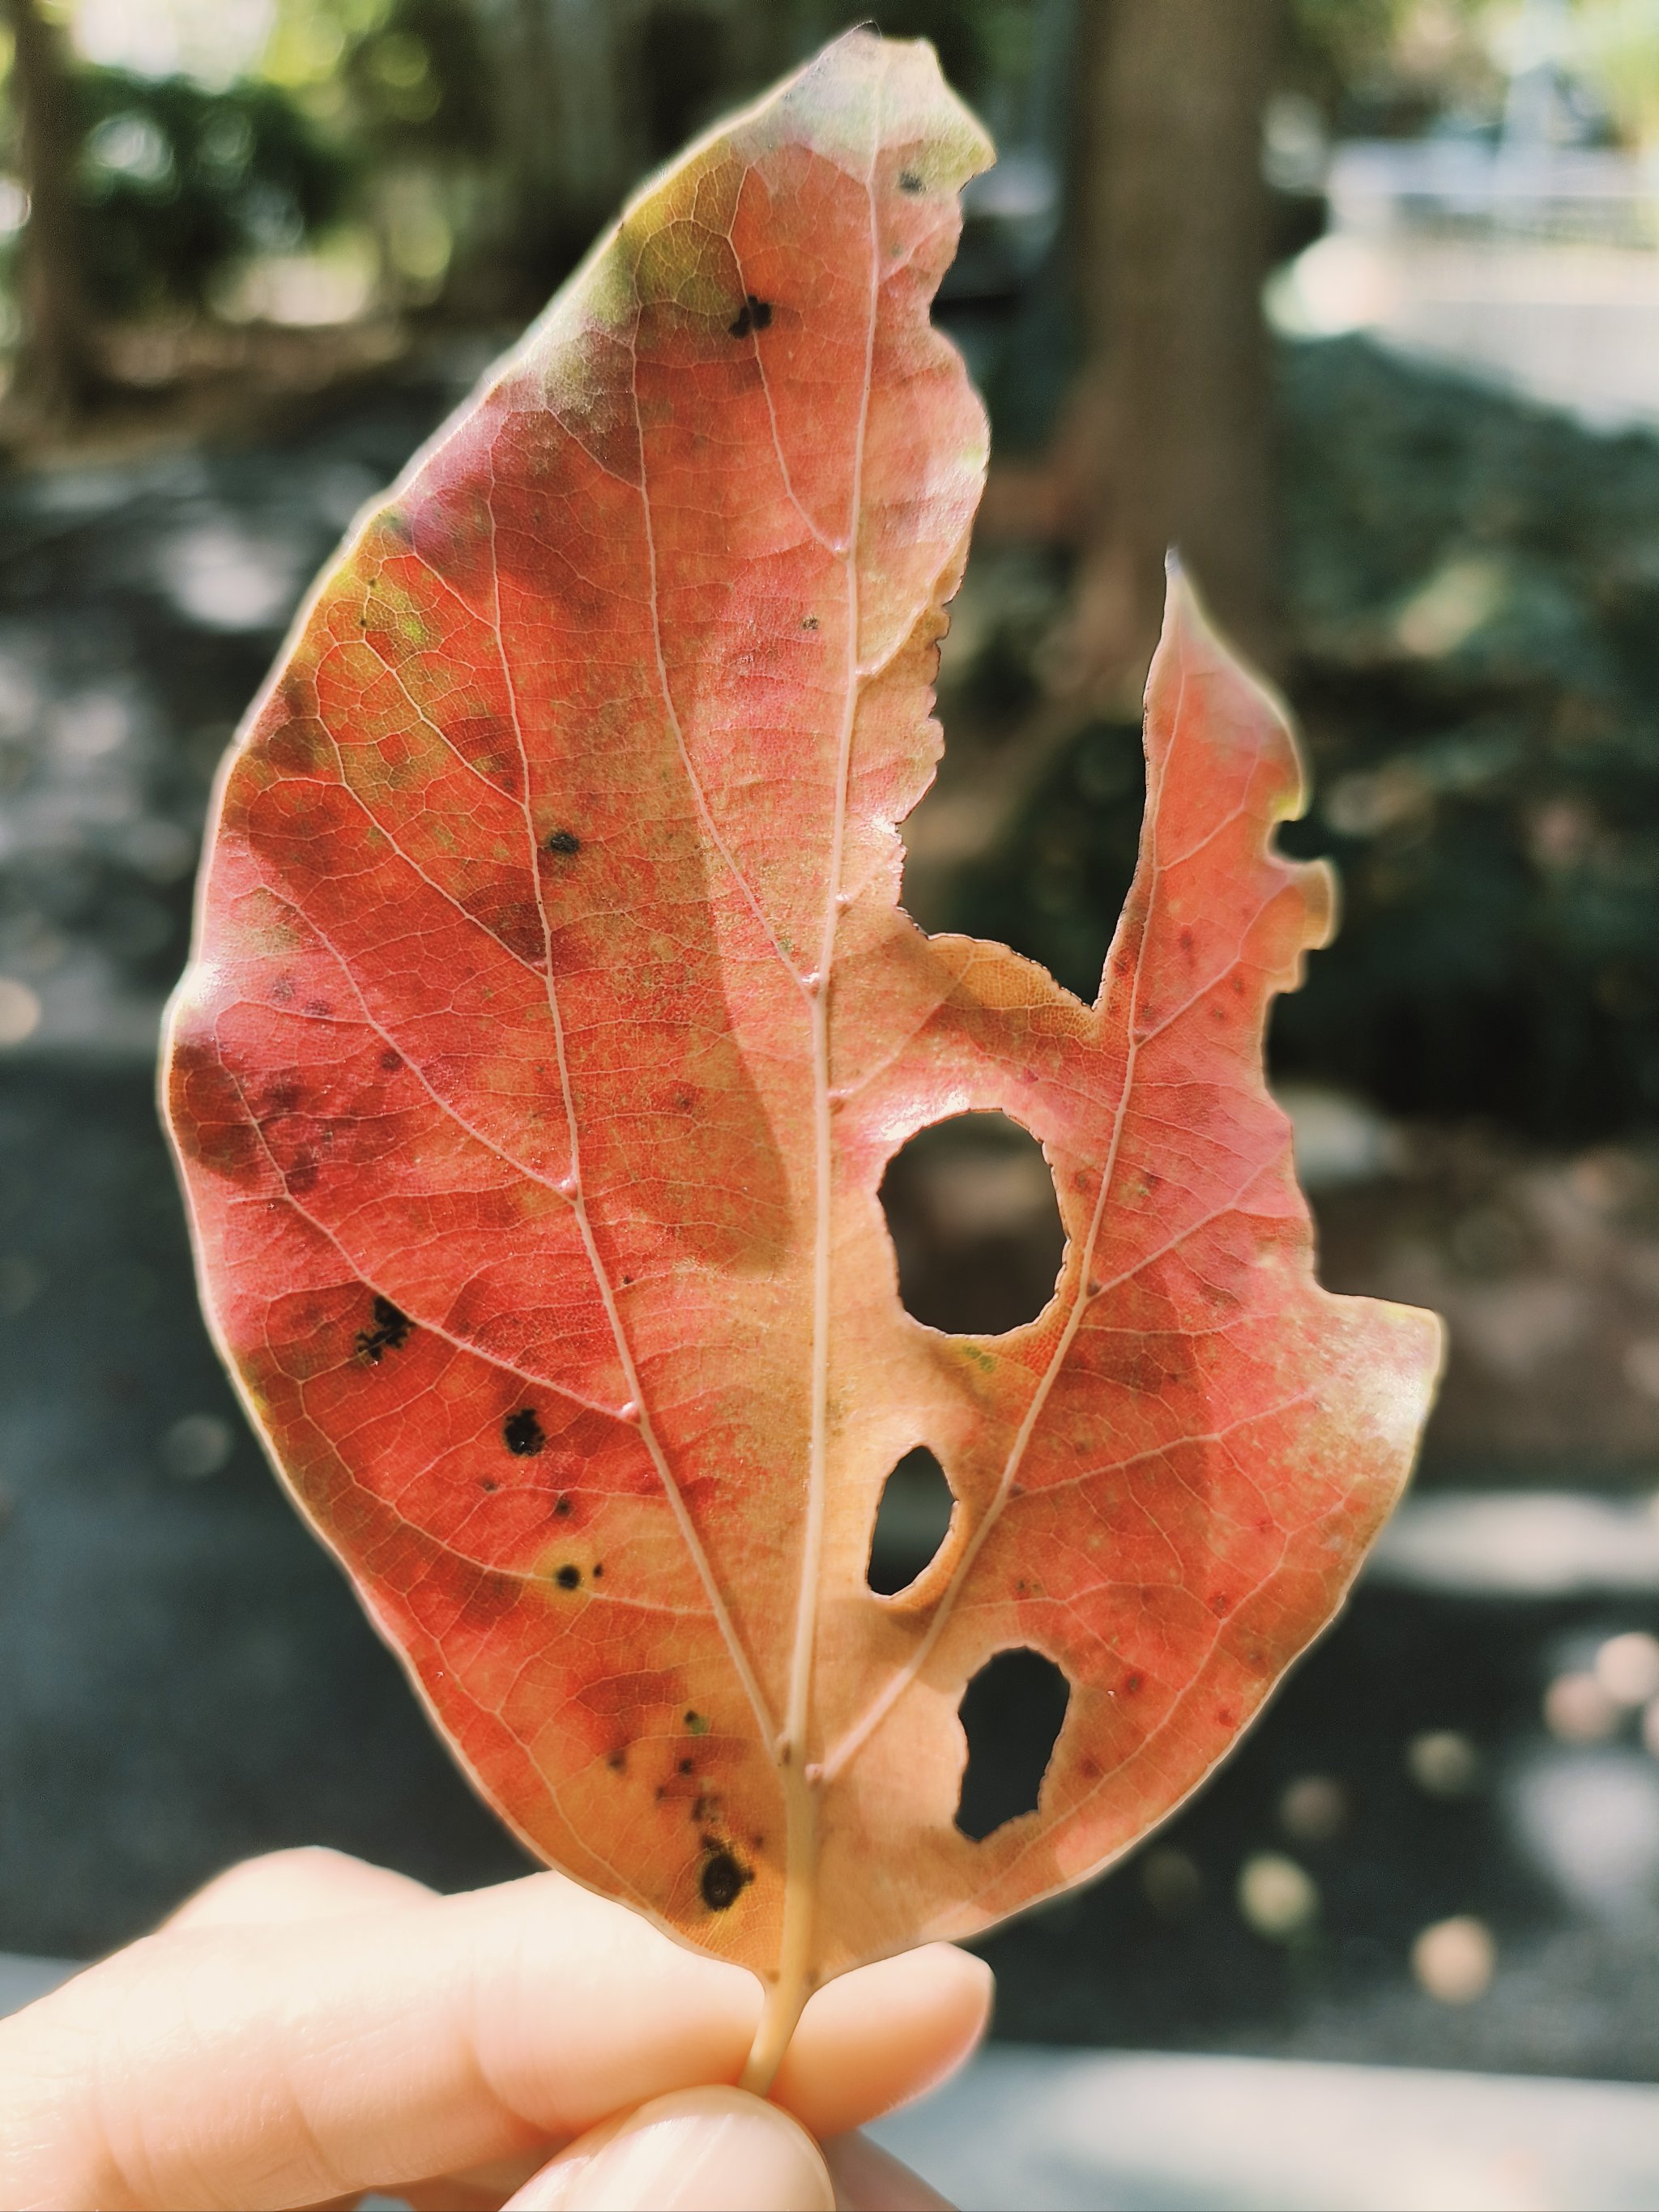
553,1019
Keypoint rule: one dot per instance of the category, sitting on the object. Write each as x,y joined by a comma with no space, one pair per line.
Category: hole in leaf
912,1522
971,1209
1012,1713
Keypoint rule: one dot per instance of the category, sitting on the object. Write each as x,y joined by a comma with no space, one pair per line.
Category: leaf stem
787,1993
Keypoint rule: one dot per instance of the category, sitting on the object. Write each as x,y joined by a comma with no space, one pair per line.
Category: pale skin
308,2027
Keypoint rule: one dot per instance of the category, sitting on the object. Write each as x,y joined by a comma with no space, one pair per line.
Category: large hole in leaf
1012,1713
912,1522
971,1209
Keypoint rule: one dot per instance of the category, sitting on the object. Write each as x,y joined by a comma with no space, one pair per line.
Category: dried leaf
552,1021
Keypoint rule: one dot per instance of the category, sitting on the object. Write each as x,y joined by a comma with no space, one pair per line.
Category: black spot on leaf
909,181
521,1432
566,841
569,1577
390,1329
722,1881
753,315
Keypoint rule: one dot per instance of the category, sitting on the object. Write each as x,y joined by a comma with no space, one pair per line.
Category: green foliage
1392,66
1473,589
418,80
177,182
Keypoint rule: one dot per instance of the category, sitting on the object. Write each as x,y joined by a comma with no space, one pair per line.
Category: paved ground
1575,326
1071,2132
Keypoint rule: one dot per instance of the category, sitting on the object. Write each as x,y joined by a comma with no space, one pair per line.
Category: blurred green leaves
353,108
400,77
179,181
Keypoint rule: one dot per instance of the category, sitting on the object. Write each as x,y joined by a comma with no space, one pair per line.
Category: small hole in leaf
1012,1713
975,1225
912,1522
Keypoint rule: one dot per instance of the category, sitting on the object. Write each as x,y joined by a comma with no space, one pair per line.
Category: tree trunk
56,368
1171,437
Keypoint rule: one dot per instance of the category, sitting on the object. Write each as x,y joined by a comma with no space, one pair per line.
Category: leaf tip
917,98
1190,645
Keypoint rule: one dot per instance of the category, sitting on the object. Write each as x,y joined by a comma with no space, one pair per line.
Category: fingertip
964,1977
697,2150
882,2035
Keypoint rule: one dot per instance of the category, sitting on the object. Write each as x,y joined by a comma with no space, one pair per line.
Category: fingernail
699,2151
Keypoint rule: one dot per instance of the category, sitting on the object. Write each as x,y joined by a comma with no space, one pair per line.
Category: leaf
553,1018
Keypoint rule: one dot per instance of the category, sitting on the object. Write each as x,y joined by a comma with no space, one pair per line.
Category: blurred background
1358,300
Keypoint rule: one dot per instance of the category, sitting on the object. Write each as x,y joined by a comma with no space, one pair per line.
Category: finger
866,2042
878,2037
867,2178
701,2150
268,2066
309,1884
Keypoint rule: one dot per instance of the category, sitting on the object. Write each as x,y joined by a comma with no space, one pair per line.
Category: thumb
697,2150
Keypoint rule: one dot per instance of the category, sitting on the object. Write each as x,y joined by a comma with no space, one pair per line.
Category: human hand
308,2027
